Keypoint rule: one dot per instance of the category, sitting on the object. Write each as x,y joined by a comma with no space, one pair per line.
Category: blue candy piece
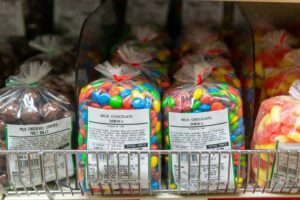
159,116
153,139
160,90
154,185
148,103
103,99
125,93
212,90
81,107
95,96
197,111
238,145
138,103
237,131
204,107
138,88
232,137
241,122
148,86
84,116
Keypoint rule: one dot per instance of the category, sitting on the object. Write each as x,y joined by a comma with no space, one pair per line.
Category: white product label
195,11
141,11
286,169
12,22
201,131
69,15
52,135
118,130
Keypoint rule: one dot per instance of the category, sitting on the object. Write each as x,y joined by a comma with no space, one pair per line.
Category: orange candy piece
216,106
114,91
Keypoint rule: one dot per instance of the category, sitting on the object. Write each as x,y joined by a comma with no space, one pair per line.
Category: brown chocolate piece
51,112
30,115
9,112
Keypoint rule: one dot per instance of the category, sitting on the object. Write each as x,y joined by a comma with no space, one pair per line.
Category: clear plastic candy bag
276,127
121,99
202,113
143,59
34,117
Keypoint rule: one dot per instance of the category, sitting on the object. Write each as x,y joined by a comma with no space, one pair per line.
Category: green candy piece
115,101
85,126
96,84
216,94
243,157
155,94
159,136
233,98
144,88
234,126
236,110
83,157
196,105
171,102
231,115
80,139
243,164
165,102
239,138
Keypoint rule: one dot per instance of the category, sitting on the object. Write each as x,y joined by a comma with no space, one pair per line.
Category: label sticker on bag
286,169
141,11
118,130
195,11
53,135
201,131
12,21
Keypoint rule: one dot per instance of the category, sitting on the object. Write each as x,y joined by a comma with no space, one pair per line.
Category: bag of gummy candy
203,114
277,127
56,50
34,117
119,112
144,60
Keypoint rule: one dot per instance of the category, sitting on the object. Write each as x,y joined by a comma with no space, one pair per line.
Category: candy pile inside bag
119,112
203,113
277,128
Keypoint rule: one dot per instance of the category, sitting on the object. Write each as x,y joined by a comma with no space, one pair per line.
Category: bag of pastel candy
279,81
151,35
119,112
203,114
144,59
277,128
34,117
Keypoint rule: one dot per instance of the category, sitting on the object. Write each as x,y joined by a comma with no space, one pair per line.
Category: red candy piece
216,106
107,107
205,99
83,133
126,103
106,85
114,91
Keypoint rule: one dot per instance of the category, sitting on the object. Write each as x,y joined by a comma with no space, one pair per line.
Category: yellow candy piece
265,157
163,55
120,88
158,127
167,140
294,135
156,105
173,186
239,179
276,113
239,185
184,47
262,176
198,93
266,146
283,139
158,81
236,82
154,161
259,69
234,119
264,122
137,94
224,92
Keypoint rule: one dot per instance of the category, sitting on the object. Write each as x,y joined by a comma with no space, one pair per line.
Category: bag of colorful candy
145,60
119,112
203,114
276,127
33,117
150,35
222,69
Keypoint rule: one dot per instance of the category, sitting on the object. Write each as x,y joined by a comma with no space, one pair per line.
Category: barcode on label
25,163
